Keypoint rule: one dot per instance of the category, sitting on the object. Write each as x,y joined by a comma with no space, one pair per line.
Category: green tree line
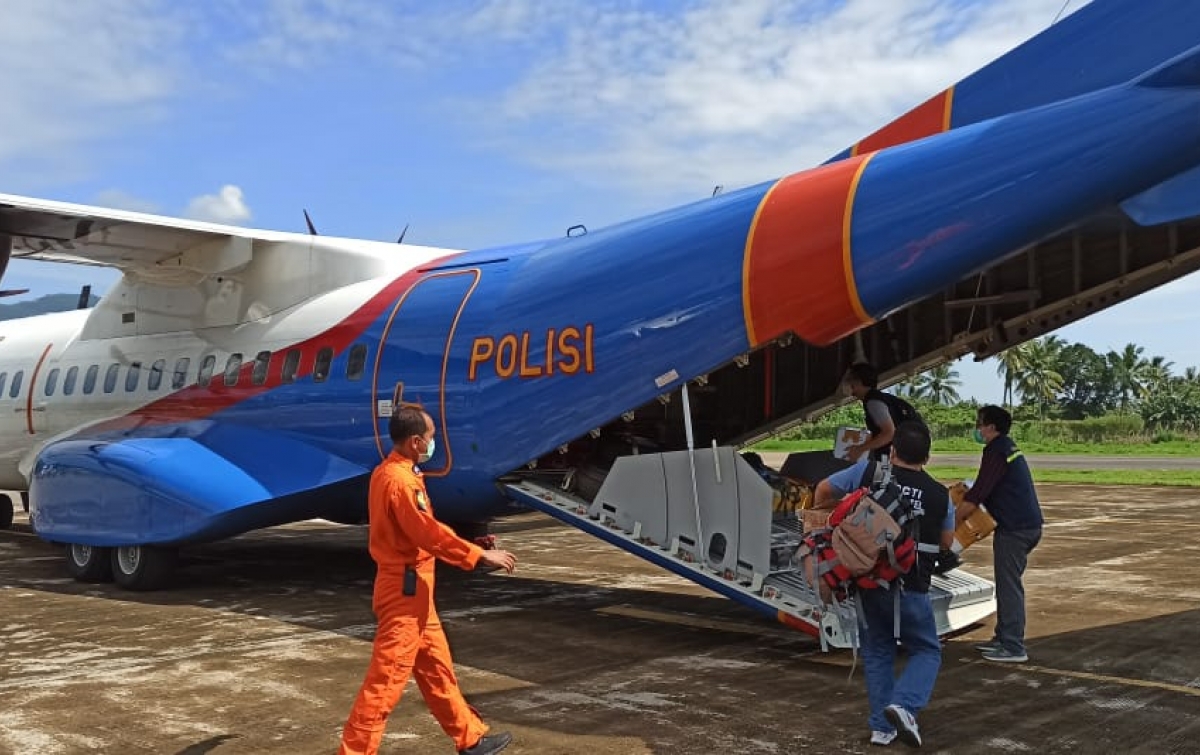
1057,391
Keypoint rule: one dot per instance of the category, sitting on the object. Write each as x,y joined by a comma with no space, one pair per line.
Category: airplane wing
149,245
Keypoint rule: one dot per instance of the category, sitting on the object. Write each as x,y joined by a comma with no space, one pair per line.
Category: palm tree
1040,381
905,388
1128,370
939,385
1012,364
1154,375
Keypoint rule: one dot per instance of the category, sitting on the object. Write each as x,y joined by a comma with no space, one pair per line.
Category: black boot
489,745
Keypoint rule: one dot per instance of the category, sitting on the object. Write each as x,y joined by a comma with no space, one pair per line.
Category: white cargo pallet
648,506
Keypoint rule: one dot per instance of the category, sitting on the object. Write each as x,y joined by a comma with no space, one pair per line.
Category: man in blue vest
1005,488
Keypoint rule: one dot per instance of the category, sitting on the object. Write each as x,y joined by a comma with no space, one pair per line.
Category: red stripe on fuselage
798,276
32,385
197,402
929,118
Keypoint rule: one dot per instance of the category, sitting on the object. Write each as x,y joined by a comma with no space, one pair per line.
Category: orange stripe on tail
929,118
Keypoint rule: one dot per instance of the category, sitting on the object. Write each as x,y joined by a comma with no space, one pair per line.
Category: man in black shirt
896,701
881,411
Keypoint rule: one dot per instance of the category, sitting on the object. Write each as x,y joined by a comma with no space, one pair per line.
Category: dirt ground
262,645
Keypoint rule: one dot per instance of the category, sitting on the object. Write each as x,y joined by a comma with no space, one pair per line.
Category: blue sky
478,122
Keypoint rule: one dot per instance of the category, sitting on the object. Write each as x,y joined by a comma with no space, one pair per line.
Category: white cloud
285,35
678,100
75,73
120,200
227,206
735,93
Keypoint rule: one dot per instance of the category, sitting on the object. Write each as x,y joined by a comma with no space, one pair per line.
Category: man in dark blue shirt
896,701
1004,486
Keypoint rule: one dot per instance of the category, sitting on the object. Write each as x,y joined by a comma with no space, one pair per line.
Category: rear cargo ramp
722,534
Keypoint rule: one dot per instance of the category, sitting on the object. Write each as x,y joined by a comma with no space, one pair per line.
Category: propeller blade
401,239
85,297
312,230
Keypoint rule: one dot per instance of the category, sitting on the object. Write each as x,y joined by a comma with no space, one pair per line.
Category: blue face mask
428,452
978,436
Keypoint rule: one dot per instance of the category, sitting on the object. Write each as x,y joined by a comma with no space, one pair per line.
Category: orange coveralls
409,637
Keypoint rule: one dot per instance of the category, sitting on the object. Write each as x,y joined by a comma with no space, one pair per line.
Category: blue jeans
918,631
1011,549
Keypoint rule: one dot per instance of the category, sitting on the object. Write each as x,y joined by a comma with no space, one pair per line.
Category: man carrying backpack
896,701
881,411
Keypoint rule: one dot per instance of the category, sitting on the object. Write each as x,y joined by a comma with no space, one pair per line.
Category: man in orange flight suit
405,541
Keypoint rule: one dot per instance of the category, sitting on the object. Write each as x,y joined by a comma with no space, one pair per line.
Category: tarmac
262,645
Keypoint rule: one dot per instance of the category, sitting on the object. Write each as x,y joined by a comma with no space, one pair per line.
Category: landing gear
88,563
143,567
6,511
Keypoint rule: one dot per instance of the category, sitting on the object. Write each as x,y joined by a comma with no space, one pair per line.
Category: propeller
312,229
85,297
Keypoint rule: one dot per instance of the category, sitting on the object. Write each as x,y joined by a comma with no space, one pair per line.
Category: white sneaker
906,725
883,738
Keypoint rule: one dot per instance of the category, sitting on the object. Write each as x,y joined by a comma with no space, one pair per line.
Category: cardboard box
846,437
974,528
813,519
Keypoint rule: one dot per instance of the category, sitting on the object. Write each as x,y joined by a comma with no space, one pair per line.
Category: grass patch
1148,448
1138,477
966,445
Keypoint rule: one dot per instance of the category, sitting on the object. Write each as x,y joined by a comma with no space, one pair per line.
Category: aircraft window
321,370
231,369
89,379
155,378
15,388
110,377
291,362
51,381
261,362
3,379
179,379
69,381
132,377
357,362
206,370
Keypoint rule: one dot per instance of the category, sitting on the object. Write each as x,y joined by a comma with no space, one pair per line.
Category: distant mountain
40,306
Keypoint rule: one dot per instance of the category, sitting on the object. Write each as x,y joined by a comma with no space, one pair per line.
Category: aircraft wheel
143,567
88,563
6,511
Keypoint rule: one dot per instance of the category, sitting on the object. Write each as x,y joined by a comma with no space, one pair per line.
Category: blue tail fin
1106,43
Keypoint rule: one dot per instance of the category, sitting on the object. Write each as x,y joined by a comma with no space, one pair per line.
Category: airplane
236,379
